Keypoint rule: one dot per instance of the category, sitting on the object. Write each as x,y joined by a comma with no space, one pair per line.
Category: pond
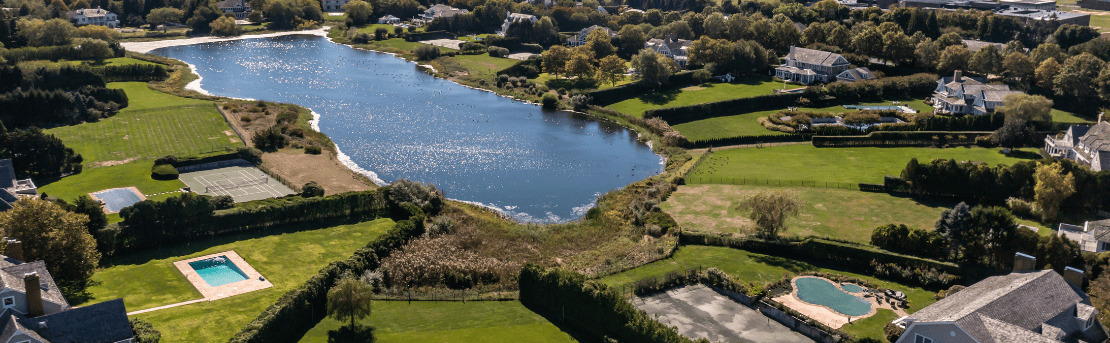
392,121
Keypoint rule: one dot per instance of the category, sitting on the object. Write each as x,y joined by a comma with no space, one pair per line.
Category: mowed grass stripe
155,124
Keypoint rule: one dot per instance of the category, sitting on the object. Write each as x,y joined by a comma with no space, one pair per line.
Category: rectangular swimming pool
117,199
218,271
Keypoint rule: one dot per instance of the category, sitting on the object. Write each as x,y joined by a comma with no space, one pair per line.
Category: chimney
959,76
34,294
1074,276
14,249
1099,118
1024,263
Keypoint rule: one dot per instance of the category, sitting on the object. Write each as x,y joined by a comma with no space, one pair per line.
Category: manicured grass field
747,124
841,213
425,321
871,326
853,165
135,174
1059,116
148,279
154,125
707,92
752,267
1101,21
483,66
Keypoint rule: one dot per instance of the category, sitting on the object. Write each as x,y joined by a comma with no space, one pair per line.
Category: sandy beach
145,47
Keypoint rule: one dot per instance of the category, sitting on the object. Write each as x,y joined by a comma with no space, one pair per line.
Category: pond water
392,121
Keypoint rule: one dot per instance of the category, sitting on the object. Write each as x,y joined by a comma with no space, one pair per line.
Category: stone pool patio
251,284
826,315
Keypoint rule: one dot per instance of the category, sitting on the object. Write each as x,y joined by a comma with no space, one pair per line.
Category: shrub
223,202
1020,207
168,159
381,33
164,172
426,52
311,189
144,332
550,101
312,149
441,225
580,101
246,118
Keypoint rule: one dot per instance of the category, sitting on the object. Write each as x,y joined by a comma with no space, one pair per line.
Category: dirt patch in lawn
713,210
299,168
111,163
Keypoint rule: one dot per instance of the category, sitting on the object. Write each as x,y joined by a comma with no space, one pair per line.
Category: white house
580,38
1086,145
968,95
511,18
389,19
440,11
334,5
1093,236
95,16
239,8
807,66
11,188
672,47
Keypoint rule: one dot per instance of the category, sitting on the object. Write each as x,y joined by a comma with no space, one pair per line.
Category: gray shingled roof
994,309
88,12
861,73
103,322
7,173
975,45
997,95
1077,132
12,277
1097,137
671,42
12,326
811,56
586,31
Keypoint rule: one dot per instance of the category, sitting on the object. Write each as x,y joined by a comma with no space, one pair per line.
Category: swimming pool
117,199
851,288
218,271
822,292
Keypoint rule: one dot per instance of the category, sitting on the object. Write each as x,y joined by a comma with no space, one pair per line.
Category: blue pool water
218,271
118,199
821,292
851,288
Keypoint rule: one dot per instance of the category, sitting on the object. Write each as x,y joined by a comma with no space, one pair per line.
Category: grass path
154,125
148,279
852,165
425,321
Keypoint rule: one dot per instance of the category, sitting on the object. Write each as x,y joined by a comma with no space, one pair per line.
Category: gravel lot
699,312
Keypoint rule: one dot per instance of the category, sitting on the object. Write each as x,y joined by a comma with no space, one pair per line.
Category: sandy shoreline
145,47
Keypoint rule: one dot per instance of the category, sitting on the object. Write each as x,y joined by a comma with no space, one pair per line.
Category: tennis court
240,182
116,199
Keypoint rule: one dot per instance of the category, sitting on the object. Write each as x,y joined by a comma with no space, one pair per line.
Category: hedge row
299,310
901,138
685,114
600,311
716,142
132,72
612,95
72,52
419,36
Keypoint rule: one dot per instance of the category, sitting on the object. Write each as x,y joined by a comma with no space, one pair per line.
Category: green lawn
484,66
148,279
747,124
125,61
707,92
853,165
1059,116
1101,21
135,174
749,266
154,125
425,321
871,326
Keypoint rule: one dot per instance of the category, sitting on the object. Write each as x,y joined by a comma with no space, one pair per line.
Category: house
602,10
808,66
580,38
968,95
440,11
91,16
11,188
1092,236
855,74
1030,16
671,46
35,310
239,8
512,18
334,5
1086,145
389,19
1025,306
1043,5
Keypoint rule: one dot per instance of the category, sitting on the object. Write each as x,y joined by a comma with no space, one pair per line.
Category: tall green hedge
132,72
901,138
590,306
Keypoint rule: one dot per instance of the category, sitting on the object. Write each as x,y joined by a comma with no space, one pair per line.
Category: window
9,302
922,339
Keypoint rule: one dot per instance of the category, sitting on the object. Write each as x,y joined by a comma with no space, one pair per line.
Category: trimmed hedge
164,172
415,36
616,94
132,72
901,138
716,142
593,307
685,114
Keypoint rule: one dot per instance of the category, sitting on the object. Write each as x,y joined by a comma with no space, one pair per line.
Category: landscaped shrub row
49,108
900,138
67,77
529,68
71,52
685,114
851,255
716,142
603,97
164,172
299,310
132,72
593,307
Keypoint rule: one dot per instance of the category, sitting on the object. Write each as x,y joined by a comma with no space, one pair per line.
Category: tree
1046,73
1046,51
38,32
953,225
986,61
599,44
610,70
949,39
225,26
359,11
1014,133
994,229
545,32
1018,67
898,48
59,237
161,16
714,25
311,190
652,68
98,32
283,14
770,209
954,58
632,40
1027,107
555,60
1071,35
350,298
926,55
255,17
203,16
1053,186
1077,75
581,62
91,208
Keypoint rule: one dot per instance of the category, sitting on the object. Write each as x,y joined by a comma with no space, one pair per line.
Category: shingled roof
811,56
7,173
1097,137
103,322
11,276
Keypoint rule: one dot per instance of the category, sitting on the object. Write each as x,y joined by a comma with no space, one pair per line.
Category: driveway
446,43
699,312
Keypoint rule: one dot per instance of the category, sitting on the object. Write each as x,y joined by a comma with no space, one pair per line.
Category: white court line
206,183
256,186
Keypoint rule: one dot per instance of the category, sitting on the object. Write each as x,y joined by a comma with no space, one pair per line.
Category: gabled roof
861,73
975,45
811,56
672,42
12,277
997,95
1097,137
12,327
88,12
586,31
7,173
103,322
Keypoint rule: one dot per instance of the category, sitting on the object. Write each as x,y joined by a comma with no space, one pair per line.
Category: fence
658,283
769,182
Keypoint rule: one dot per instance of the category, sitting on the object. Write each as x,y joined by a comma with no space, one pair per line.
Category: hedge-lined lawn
747,124
1059,116
871,326
854,165
135,174
425,321
840,213
752,267
703,93
125,61
483,66
148,279
154,125
389,27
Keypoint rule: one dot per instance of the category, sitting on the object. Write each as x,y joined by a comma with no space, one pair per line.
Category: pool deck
104,203
251,284
826,315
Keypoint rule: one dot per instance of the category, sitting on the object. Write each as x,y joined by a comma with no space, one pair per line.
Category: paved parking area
446,43
699,312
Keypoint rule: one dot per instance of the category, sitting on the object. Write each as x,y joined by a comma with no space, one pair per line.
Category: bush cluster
164,172
912,241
